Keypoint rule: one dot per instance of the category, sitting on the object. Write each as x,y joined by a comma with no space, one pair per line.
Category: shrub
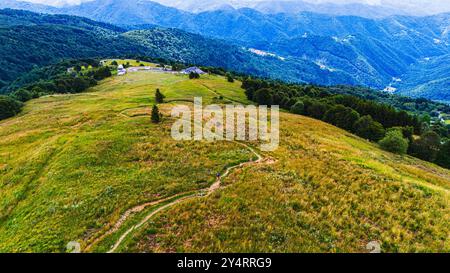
9,107
443,157
230,77
298,108
408,132
342,117
194,75
394,142
22,95
427,146
367,128
38,91
102,73
263,96
316,109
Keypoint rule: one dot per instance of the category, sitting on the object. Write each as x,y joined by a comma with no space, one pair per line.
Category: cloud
433,6
418,6
57,2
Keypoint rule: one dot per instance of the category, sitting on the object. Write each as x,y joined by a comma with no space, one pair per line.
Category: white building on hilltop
193,69
121,71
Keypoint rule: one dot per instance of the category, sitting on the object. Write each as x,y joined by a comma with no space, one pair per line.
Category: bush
367,128
38,91
263,96
22,95
9,107
102,73
408,132
443,157
53,79
230,77
316,109
342,117
427,146
194,75
298,108
72,84
394,142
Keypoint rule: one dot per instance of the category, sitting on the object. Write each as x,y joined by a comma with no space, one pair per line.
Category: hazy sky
434,6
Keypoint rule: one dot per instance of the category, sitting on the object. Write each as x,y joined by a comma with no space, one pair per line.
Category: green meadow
72,165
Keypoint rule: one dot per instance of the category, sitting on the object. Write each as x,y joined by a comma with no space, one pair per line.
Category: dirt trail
127,214
178,199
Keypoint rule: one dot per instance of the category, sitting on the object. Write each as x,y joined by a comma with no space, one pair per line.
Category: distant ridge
391,53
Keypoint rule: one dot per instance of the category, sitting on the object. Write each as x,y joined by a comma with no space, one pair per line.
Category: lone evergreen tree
156,117
159,97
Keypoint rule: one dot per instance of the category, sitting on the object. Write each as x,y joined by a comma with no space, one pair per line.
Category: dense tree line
342,110
420,106
393,129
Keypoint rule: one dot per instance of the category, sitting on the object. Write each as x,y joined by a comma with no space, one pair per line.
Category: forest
395,130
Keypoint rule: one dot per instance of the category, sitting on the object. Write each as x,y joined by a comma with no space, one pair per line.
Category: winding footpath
179,198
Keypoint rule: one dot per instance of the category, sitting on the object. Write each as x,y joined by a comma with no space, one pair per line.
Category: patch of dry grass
329,192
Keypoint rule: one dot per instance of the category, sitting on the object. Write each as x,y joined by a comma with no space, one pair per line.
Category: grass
328,192
72,164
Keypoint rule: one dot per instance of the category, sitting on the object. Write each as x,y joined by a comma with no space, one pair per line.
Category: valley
319,48
333,120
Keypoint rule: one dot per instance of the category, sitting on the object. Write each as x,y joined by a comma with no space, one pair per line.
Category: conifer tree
159,97
156,117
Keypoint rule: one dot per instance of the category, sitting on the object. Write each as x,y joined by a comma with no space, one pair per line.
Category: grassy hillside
328,192
72,166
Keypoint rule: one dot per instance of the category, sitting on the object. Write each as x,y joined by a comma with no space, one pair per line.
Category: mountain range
31,40
395,53
362,8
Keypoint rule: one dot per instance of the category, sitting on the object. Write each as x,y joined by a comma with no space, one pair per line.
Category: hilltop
72,165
